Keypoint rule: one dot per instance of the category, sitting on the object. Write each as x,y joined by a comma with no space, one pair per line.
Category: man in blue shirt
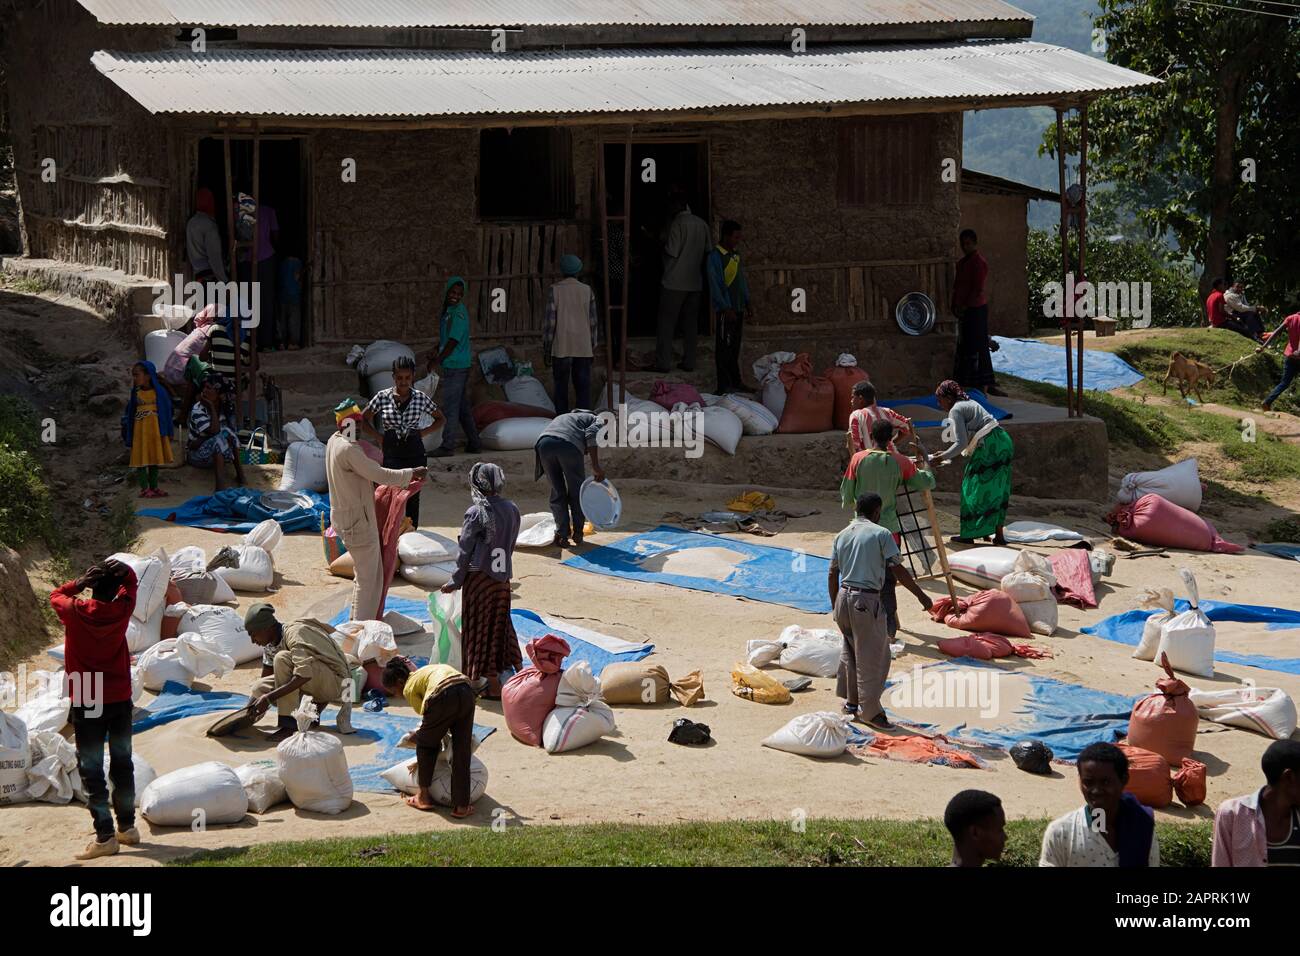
729,296
860,558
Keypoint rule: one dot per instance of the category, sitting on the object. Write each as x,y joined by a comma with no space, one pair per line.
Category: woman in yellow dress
147,427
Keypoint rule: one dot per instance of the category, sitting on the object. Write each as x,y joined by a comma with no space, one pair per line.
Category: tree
1183,154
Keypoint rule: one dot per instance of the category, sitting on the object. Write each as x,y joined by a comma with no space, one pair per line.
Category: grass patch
1245,387
1127,422
1283,529
25,509
731,843
27,285
123,527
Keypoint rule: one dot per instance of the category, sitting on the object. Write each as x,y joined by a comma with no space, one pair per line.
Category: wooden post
627,253
1083,231
1067,298
236,321
938,544
609,303
253,264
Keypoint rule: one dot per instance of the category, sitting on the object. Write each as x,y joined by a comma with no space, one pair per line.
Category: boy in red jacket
97,667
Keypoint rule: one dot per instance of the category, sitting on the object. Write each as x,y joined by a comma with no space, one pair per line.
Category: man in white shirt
682,286
1111,829
1235,304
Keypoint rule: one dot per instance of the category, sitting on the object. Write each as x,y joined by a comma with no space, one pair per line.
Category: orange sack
1148,777
1165,722
842,379
1189,782
809,399
992,610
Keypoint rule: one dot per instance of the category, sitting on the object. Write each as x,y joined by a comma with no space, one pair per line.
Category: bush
24,499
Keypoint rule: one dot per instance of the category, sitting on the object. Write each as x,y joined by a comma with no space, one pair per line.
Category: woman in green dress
986,484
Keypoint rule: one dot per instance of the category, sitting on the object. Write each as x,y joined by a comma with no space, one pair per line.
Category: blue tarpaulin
384,729
1280,550
1067,717
929,401
764,573
238,510
1126,628
529,625
1044,362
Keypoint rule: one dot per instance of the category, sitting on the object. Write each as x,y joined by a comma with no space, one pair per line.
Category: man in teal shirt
454,356
862,558
881,471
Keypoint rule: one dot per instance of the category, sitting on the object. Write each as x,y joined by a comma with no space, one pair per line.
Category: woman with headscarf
483,569
212,442
986,483
147,427
394,415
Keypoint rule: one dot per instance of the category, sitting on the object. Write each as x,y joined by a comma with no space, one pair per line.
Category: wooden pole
627,253
933,514
254,263
1083,231
237,321
1067,296
609,302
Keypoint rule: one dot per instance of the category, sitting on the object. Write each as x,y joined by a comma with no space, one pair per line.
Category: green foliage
730,843
1174,298
24,497
1283,529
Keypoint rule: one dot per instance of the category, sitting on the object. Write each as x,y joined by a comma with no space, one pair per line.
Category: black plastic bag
689,732
1032,756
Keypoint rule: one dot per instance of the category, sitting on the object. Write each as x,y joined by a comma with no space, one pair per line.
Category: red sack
669,394
529,696
1148,777
994,611
1189,782
842,379
1160,523
809,399
1165,722
986,647
485,413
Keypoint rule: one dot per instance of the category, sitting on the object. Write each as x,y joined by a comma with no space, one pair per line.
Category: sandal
468,812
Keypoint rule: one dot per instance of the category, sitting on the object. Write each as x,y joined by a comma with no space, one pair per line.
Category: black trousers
406,452
726,352
972,366
112,726
452,710
566,470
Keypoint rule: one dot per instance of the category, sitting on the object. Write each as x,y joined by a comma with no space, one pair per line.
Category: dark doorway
677,165
283,183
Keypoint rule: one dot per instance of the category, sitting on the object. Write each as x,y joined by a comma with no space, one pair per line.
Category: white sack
304,468
755,418
15,760
262,785
433,440
767,370
429,576
141,770
982,567
446,613
183,659
366,640
821,734
513,434
1180,483
811,651
761,653
255,573
402,778
536,530
1042,616
208,792
151,577
140,636
380,356
723,428
425,547
313,766
526,390
1188,638
1027,586
402,625
52,776
266,535
1265,710
301,430
47,709
1163,600
160,344
580,717
224,629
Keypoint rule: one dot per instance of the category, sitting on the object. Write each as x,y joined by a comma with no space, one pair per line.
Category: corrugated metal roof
396,83
508,13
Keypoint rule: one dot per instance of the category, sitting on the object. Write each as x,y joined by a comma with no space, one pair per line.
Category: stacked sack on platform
152,575
767,370
427,558
222,631
719,425
652,426
1031,584
809,399
547,706
843,375
375,364
304,459
811,651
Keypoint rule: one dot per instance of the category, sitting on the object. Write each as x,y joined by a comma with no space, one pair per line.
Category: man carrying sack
352,476
307,661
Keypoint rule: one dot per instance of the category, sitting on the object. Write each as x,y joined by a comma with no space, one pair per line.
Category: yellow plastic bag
751,683
752,501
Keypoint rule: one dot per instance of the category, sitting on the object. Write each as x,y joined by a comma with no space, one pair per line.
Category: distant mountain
1005,142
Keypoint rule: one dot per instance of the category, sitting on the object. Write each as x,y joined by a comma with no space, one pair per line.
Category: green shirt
861,551
455,325
882,472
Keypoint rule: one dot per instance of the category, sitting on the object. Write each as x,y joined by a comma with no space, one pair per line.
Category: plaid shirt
393,416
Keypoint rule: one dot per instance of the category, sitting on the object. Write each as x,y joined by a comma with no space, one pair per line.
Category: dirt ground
636,776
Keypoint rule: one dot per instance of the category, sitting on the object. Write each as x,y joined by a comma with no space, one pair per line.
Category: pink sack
987,647
1073,573
1160,523
809,399
529,696
669,394
994,611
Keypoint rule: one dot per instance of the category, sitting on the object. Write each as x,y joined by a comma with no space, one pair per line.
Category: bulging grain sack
983,567
760,653
1265,710
304,467
47,709
402,778
1165,722
262,785
152,575
182,660
1162,599
755,418
367,640
266,535
1043,616
823,734
255,572
209,793
142,773
811,651
313,766
513,434
223,628
1180,483
580,717
52,776
425,547
526,390
429,576
767,370
528,698
15,759
640,682
536,530
1188,638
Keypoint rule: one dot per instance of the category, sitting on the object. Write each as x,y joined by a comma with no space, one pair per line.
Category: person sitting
1112,828
212,443
307,661
978,825
866,413
1216,313
1262,828
1235,304
443,698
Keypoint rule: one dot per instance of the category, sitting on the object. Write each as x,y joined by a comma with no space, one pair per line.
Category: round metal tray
915,313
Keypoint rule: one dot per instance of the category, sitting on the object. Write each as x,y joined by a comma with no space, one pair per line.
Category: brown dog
1188,374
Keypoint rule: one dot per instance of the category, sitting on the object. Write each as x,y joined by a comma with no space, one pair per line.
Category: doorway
283,181
659,169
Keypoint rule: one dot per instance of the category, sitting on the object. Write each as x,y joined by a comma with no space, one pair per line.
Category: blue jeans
457,409
565,469
1290,369
577,369
90,733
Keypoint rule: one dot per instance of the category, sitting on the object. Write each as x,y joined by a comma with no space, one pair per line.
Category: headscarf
485,479
950,391
348,408
570,264
161,396
204,201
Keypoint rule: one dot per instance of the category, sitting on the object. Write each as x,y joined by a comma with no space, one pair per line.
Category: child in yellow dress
147,427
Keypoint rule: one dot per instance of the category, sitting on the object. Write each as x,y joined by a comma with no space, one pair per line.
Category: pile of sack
182,660
248,566
1031,583
548,706
304,459
374,363
802,401
811,651
152,575
427,558
1185,640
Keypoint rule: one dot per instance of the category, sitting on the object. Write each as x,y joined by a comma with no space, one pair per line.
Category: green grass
25,510
1283,529
1127,422
733,843
27,285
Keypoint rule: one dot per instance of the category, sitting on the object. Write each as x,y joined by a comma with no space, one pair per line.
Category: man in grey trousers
859,558
682,287
560,451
